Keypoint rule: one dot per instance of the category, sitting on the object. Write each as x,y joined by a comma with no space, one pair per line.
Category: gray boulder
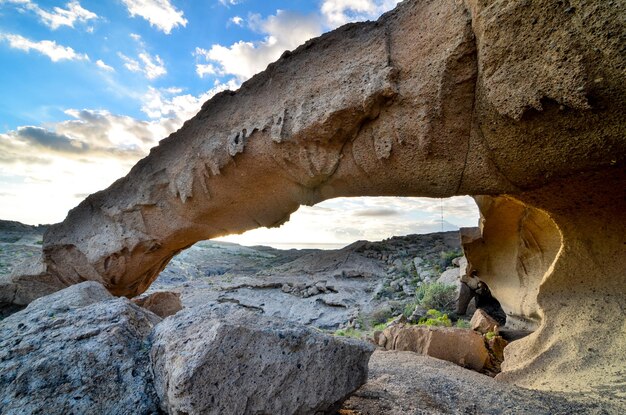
78,351
229,360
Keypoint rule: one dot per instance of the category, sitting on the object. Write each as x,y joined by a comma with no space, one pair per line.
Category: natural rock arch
437,98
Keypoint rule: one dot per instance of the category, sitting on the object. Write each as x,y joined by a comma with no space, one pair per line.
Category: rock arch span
437,98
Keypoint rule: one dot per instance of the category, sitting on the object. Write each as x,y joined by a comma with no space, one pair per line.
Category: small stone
483,322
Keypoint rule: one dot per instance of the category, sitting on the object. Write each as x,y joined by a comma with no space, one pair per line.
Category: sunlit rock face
512,250
437,98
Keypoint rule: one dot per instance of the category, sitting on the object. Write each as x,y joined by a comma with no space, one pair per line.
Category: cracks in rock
239,303
268,286
473,110
330,303
474,124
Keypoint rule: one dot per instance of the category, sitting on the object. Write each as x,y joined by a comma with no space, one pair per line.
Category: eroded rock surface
535,93
78,351
229,360
404,383
352,112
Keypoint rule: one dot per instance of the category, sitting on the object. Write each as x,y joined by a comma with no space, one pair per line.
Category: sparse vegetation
436,296
382,315
350,332
490,335
435,318
408,309
447,257
463,324
380,327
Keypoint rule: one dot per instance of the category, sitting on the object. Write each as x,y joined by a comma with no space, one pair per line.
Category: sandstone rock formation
402,383
513,249
533,91
228,360
460,346
78,351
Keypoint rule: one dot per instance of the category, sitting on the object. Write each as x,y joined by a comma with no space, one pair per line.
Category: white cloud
86,153
159,103
58,17
160,13
236,20
151,66
284,31
339,12
104,66
205,69
129,63
48,48
341,221
231,2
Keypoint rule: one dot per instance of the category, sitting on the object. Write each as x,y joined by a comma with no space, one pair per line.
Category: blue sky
89,86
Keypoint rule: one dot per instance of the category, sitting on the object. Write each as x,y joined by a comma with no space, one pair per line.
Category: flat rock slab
404,383
77,351
229,360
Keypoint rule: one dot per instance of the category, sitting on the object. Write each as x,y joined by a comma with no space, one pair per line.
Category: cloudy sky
89,86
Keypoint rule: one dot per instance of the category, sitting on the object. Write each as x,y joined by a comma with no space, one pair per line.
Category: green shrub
408,309
463,324
381,315
447,257
435,318
490,335
436,296
380,327
350,332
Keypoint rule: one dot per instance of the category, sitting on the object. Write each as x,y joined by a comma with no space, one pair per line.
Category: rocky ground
357,286
18,242
277,294
361,284
404,383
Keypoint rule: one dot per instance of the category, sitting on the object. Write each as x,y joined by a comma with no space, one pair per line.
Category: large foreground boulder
229,360
78,351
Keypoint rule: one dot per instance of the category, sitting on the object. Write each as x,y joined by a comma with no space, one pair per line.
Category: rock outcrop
534,93
78,351
513,249
229,360
460,346
403,383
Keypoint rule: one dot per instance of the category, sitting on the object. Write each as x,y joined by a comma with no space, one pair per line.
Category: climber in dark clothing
489,304
482,297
